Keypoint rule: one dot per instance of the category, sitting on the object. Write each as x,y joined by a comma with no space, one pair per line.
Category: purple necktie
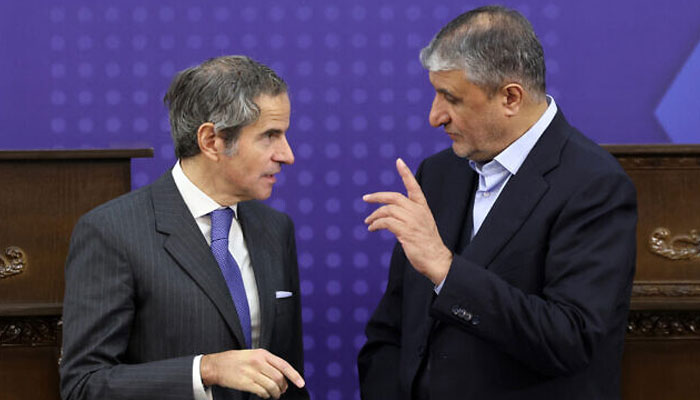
220,225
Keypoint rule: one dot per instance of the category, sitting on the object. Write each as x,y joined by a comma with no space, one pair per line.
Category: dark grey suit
144,295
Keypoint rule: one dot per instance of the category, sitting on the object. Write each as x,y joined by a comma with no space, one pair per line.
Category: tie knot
221,223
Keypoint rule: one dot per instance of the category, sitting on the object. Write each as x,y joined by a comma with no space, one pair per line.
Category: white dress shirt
201,205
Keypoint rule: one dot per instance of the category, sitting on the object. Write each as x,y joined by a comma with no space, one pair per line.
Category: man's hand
410,220
256,371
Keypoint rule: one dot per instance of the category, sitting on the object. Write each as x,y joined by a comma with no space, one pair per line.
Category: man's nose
438,116
284,154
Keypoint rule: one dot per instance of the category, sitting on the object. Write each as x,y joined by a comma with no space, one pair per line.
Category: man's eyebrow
446,93
273,131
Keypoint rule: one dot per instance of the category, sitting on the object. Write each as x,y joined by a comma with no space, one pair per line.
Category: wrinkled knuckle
256,362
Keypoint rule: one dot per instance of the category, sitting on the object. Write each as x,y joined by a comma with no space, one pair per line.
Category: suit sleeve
98,313
586,281
379,358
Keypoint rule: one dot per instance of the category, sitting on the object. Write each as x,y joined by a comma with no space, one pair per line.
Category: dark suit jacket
536,305
144,295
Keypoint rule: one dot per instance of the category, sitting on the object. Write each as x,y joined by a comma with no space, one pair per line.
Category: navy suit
535,306
144,295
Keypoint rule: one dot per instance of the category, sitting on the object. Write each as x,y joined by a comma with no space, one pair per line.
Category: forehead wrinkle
440,80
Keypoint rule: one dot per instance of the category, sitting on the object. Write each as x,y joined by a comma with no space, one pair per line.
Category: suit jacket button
455,309
475,320
467,316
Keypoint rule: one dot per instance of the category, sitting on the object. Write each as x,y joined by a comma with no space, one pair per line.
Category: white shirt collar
196,200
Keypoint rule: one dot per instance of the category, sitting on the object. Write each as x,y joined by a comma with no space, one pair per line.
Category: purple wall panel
85,74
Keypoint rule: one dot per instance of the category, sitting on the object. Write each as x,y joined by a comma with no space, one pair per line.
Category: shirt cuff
200,393
438,288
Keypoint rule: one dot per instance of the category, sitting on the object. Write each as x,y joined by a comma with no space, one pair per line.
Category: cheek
236,177
467,124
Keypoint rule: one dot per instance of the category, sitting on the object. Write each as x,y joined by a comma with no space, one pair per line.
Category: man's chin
471,154
460,151
263,195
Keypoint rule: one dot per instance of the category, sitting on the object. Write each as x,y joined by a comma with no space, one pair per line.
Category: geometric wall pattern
679,110
86,74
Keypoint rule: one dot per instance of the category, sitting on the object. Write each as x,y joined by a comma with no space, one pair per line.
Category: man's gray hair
494,46
222,91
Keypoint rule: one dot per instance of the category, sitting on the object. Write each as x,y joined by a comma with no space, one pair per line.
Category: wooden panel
661,369
662,348
667,178
39,212
29,373
44,194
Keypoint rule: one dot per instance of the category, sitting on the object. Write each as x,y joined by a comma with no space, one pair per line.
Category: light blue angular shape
679,109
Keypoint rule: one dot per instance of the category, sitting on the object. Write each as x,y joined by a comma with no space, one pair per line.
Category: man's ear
513,96
206,139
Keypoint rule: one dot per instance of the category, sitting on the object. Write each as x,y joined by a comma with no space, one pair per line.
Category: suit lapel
261,259
450,206
520,195
189,249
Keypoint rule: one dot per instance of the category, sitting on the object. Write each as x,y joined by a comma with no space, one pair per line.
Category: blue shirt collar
513,156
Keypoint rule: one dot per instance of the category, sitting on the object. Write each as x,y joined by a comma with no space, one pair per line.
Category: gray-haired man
516,252
188,288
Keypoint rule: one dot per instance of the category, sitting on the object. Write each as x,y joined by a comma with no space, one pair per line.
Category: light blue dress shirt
494,175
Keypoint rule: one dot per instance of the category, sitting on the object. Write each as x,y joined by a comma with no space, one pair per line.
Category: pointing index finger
287,370
413,189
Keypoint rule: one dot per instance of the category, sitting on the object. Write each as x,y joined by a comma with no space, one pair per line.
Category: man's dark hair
222,91
494,45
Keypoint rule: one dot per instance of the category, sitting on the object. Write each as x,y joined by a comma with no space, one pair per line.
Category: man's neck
526,118
202,175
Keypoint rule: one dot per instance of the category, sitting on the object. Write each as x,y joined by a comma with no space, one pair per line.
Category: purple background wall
86,74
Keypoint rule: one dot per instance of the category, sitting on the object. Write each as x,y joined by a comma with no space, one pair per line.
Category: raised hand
410,220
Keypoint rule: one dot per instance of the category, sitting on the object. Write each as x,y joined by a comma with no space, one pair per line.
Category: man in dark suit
188,288
516,248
